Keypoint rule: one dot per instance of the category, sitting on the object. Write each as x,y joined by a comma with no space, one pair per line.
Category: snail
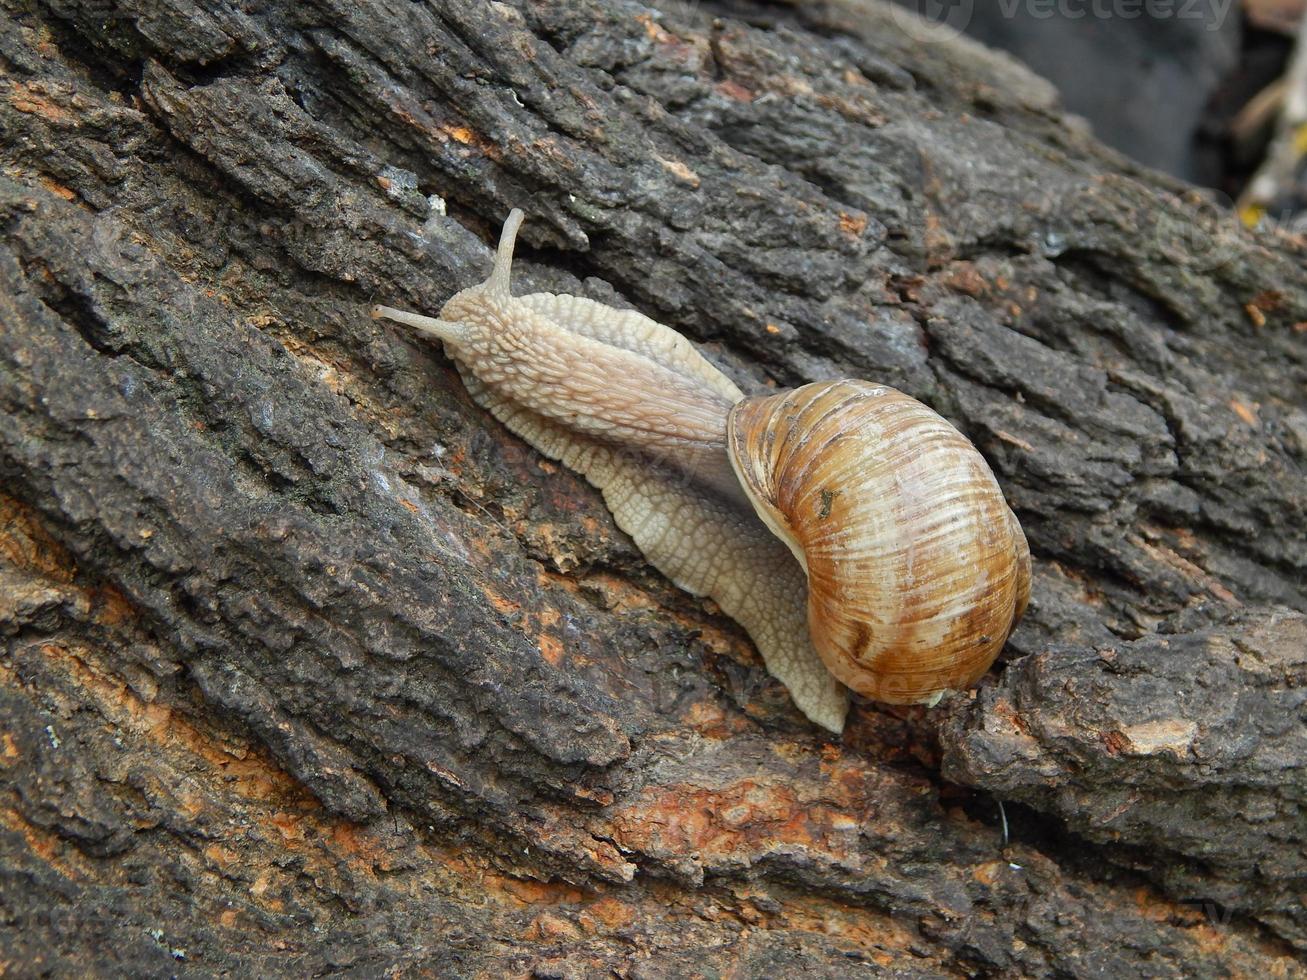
857,536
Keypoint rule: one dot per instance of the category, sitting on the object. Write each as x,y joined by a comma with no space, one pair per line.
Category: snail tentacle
446,330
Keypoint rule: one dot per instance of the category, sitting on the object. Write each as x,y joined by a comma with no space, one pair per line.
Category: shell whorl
917,567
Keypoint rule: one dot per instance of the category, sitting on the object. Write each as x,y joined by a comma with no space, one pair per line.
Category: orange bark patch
32,99
711,720
358,845
1269,301
746,817
457,134
505,606
1114,742
965,278
853,225
653,30
56,188
25,543
528,891
248,774
990,872
1014,440
551,649
1199,576
1246,412
288,824
680,171
619,595
1159,909
874,933
734,90
113,608
612,913
473,870
549,927
46,845
223,857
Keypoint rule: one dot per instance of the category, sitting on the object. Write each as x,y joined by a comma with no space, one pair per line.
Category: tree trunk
311,667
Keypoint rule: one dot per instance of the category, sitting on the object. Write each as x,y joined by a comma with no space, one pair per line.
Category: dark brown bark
310,667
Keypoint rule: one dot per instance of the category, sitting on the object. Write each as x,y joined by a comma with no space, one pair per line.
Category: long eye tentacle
447,330
498,284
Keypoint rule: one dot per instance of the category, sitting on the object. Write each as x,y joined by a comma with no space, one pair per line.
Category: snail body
857,537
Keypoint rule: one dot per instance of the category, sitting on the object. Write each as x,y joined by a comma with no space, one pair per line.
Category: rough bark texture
310,667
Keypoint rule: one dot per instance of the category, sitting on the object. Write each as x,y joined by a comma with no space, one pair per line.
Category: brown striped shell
917,568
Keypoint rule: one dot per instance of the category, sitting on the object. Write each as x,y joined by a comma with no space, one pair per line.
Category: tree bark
311,667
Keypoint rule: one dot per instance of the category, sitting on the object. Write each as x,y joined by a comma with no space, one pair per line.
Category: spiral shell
917,568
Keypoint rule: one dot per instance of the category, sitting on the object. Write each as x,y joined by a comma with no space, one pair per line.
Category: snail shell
917,568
